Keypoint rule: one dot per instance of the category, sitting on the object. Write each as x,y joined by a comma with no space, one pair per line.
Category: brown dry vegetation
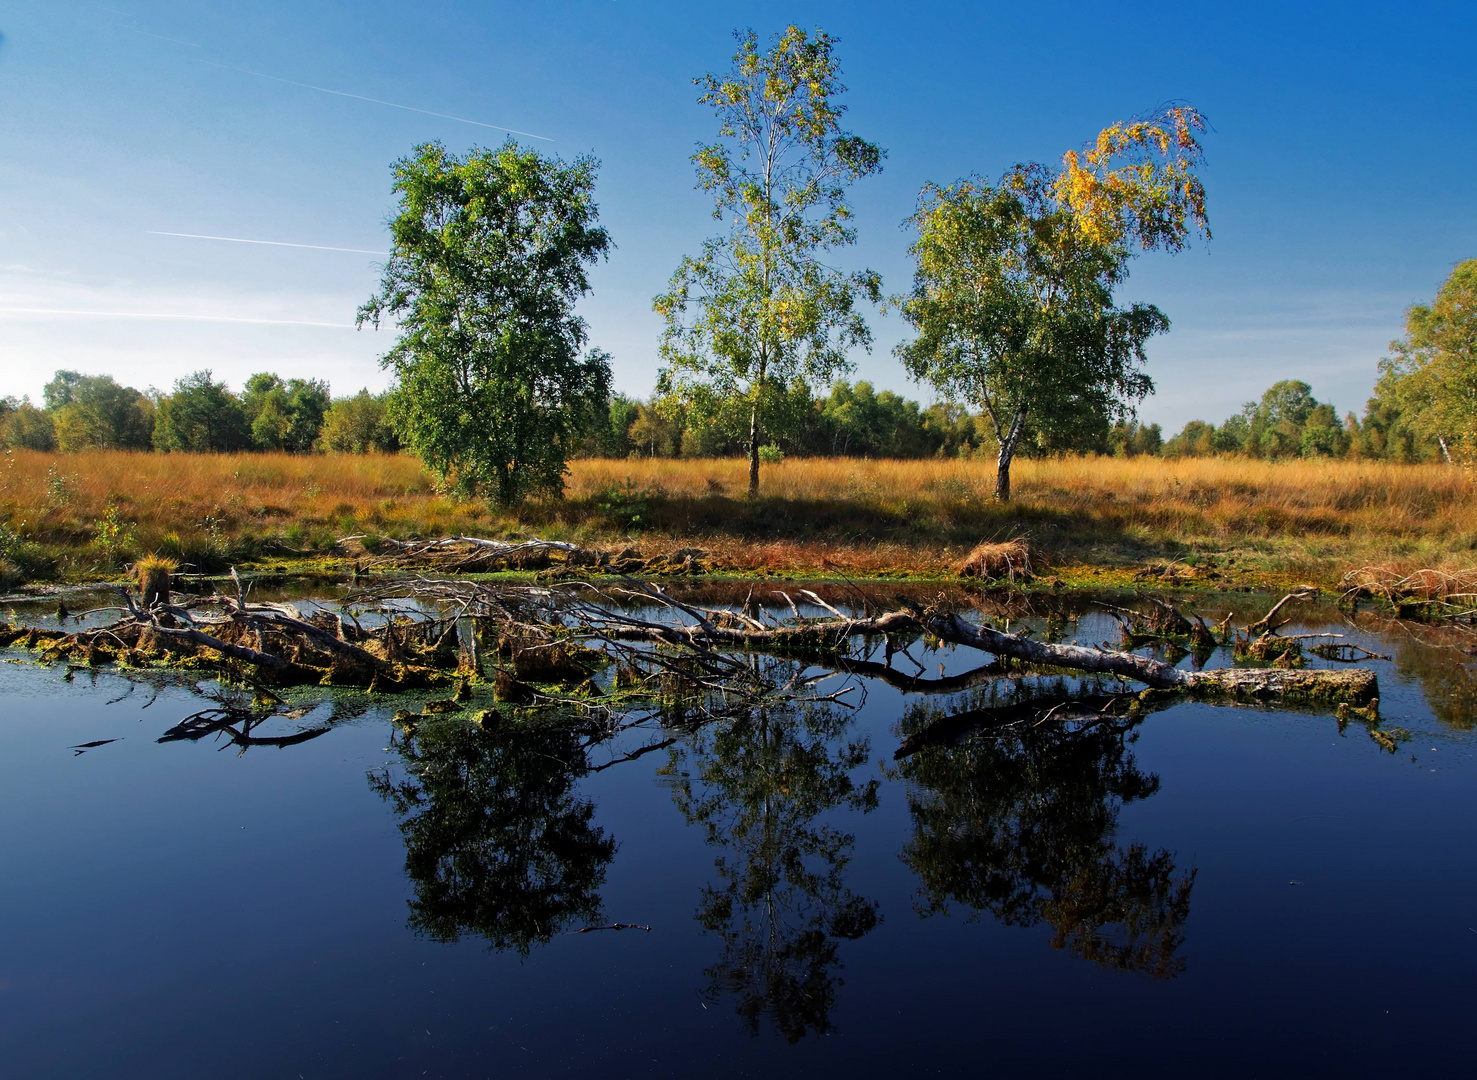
91,512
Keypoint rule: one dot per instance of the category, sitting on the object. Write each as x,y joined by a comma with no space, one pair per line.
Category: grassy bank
1222,519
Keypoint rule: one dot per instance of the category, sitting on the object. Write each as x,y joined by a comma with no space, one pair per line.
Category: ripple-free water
1209,890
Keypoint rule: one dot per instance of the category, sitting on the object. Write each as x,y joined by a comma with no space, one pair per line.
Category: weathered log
1355,687
947,626
1290,686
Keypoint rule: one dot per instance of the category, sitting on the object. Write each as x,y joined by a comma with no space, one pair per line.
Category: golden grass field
87,513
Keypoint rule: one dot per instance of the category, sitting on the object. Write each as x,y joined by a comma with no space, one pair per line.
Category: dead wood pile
544,644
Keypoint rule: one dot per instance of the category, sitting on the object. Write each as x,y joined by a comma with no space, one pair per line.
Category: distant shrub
26,427
358,425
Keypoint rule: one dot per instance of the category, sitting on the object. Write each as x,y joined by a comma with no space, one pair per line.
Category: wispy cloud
376,101
167,315
268,243
161,37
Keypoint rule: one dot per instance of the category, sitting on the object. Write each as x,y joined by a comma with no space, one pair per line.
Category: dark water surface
1204,891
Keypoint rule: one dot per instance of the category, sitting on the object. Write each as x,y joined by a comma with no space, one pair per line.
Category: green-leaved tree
92,412
1430,377
759,308
202,416
285,415
489,254
1013,288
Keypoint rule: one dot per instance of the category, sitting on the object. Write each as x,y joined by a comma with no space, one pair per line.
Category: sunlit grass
863,516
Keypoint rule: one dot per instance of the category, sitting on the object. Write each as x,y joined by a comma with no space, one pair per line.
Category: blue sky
1340,173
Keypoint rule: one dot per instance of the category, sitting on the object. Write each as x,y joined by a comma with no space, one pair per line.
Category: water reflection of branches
1438,658
243,720
1018,820
238,725
757,785
497,842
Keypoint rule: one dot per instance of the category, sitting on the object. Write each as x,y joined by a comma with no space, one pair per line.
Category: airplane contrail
269,243
161,37
167,315
377,101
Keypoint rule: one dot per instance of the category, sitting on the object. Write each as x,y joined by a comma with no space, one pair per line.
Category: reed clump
155,579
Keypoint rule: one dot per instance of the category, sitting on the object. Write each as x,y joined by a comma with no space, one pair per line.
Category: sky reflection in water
1201,888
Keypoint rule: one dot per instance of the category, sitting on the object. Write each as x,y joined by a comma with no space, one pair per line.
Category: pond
852,886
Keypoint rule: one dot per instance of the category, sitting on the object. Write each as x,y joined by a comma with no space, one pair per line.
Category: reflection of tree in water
1443,669
1019,821
496,841
780,905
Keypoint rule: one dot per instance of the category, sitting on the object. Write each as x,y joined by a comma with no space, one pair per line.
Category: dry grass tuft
1401,584
155,578
1009,559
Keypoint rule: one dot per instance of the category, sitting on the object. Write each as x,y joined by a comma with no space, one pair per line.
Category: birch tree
760,308
1013,291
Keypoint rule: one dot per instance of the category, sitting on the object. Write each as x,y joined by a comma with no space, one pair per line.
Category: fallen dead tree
1357,686
704,630
535,644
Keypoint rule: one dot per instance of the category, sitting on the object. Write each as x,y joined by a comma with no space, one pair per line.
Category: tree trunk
1357,686
1007,452
754,451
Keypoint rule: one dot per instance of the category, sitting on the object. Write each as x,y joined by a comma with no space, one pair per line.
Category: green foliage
628,506
1014,281
284,415
114,537
851,421
758,309
490,254
1427,394
1386,432
857,421
201,416
10,541
1014,311
1130,439
1196,439
60,488
359,425
26,427
1287,422
92,412
607,426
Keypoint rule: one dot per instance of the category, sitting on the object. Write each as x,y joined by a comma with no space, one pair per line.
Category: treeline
201,415
856,420
1399,424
